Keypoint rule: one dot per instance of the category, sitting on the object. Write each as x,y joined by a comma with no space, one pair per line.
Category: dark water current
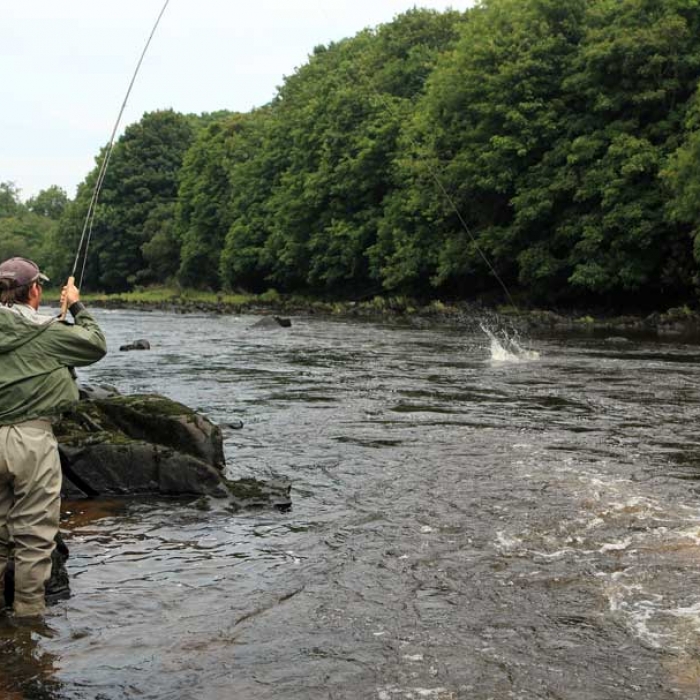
463,526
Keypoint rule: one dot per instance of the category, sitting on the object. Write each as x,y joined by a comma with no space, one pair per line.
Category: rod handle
64,303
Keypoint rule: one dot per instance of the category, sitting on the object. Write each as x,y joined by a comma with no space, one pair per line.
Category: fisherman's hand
70,294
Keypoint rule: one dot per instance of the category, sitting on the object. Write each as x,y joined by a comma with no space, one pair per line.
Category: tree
50,202
547,128
491,109
327,155
10,203
682,176
552,147
203,209
628,89
255,165
136,205
23,232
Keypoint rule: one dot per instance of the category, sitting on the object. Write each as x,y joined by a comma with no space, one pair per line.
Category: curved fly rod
84,244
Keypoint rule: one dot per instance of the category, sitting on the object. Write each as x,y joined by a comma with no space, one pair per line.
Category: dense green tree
254,172
627,93
330,141
63,239
550,147
132,237
317,234
50,202
682,176
10,203
546,129
492,109
203,219
26,236
23,231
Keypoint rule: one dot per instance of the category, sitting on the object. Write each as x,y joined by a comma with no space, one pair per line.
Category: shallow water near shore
465,523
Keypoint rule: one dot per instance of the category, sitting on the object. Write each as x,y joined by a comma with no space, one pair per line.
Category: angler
37,354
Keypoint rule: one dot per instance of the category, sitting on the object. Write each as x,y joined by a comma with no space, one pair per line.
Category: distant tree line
28,229
552,145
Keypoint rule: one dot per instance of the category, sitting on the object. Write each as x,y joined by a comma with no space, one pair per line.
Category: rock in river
146,445
140,445
267,322
136,345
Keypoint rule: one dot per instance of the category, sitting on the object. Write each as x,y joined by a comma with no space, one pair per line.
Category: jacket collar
29,313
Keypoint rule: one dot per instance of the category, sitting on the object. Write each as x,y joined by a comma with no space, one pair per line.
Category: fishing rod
86,236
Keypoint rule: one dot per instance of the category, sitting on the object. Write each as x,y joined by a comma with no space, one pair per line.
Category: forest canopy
551,147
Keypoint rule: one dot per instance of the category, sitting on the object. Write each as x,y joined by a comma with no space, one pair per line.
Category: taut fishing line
365,77
499,350
86,236
450,200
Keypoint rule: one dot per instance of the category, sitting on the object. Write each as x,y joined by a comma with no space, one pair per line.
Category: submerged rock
617,340
252,493
136,345
273,322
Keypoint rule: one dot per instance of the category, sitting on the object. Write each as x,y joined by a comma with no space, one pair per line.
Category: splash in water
508,348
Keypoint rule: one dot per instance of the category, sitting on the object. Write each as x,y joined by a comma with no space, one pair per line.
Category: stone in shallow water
150,445
140,344
273,322
140,445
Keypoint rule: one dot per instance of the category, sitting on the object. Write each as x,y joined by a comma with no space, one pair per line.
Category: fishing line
453,205
436,177
364,76
86,236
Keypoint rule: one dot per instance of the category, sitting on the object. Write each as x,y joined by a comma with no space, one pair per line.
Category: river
467,523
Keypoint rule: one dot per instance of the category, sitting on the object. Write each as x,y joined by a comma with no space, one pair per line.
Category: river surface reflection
462,526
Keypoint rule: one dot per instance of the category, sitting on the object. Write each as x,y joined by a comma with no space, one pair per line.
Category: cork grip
64,303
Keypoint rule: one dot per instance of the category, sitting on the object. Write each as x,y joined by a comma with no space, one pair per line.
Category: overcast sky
65,66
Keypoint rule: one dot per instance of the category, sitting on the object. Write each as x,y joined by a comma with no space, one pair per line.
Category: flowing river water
470,520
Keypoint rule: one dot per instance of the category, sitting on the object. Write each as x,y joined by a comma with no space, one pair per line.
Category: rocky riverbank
678,322
672,323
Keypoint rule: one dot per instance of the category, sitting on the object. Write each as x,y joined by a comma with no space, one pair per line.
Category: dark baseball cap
20,272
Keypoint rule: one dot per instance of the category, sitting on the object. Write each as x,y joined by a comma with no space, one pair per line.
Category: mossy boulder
150,445
139,445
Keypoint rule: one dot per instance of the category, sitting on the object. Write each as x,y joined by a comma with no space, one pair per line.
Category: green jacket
35,361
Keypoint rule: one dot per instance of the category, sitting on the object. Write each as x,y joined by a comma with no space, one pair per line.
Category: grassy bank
158,295
270,301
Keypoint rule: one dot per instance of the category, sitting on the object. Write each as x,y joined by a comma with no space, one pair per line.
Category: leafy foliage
50,203
23,231
549,147
204,201
323,162
132,239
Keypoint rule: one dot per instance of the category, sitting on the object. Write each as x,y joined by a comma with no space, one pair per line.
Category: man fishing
37,354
